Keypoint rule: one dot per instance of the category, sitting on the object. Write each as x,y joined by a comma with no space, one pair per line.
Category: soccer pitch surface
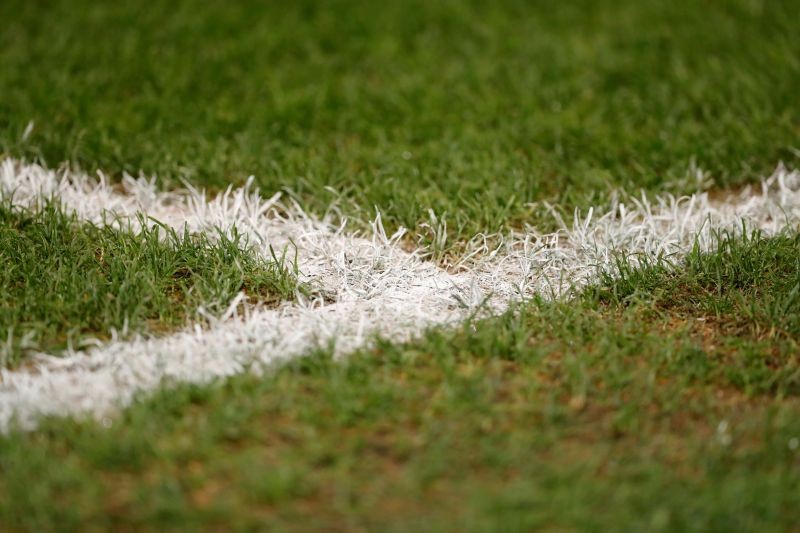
432,265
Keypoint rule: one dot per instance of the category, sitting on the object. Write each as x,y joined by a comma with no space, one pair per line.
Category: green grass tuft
64,280
746,285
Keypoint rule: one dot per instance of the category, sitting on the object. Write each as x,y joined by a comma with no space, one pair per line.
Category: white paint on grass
371,286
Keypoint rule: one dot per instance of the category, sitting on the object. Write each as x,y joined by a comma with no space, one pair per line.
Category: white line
376,288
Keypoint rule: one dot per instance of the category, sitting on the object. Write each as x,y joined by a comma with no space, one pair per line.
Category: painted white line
376,288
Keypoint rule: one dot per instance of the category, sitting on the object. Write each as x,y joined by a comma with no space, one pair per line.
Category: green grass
609,412
662,399
64,280
747,287
747,284
472,108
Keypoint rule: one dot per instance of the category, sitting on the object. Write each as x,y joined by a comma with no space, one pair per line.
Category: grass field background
664,398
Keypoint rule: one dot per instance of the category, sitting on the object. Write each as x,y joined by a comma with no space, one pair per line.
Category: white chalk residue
371,286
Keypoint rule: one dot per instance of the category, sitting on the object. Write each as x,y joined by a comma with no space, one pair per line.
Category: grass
662,399
620,410
473,109
64,280
747,284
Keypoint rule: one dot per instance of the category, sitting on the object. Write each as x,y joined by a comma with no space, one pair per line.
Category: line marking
377,289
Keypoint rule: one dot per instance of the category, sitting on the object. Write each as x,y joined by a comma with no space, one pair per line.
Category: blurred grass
473,109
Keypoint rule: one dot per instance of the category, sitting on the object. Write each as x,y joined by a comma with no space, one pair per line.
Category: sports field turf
660,394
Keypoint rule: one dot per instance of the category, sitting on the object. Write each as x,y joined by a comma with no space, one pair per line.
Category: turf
663,398
65,282
474,109
747,285
614,411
